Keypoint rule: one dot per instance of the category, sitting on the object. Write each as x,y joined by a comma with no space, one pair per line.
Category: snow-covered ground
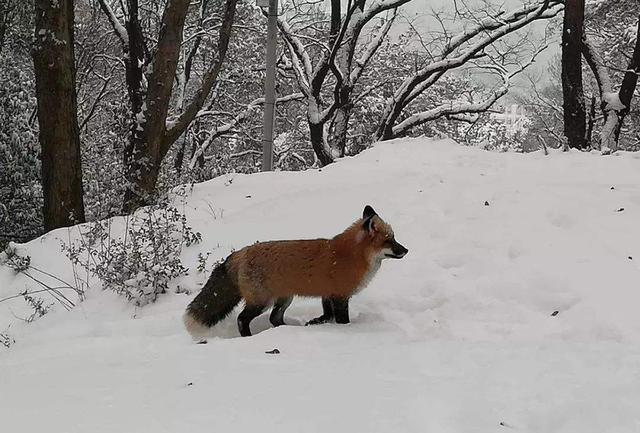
458,336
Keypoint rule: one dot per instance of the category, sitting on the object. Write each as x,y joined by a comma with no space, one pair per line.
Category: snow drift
516,309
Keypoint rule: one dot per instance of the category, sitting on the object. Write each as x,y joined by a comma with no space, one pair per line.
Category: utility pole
269,84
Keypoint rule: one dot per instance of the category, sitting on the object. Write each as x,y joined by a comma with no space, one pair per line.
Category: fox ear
368,225
367,216
368,212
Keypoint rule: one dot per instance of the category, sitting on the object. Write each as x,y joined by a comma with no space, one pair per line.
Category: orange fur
316,267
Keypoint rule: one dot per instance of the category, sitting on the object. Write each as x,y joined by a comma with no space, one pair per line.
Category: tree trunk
319,144
142,171
4,19
340,129
54,67
135,58
344,61
385,130
573,94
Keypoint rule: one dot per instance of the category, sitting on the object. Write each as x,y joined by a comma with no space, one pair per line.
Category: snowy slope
456,337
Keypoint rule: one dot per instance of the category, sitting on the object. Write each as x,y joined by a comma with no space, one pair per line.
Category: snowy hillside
461,335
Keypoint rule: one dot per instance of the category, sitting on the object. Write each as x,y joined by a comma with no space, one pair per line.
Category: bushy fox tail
217,299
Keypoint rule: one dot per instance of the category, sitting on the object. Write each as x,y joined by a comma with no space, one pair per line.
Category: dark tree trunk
344,60
135,58
4,20
340,129
54,68
385,130
573,94
323,153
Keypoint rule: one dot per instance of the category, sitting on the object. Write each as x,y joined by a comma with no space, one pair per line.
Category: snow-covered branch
372,47
298,51
381,6
121,32
299,70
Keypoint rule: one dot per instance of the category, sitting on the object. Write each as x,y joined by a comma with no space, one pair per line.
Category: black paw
319,320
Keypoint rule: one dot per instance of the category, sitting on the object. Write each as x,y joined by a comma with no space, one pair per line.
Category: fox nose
399,250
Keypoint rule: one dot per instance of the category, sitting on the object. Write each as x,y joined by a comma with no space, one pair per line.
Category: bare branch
372,47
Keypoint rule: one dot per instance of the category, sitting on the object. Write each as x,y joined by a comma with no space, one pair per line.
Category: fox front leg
327,313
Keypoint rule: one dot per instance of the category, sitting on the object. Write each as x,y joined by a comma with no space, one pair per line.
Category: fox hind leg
327,313
277,314
249,313
341,309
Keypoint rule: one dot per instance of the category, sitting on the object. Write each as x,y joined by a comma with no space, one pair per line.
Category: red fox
274,272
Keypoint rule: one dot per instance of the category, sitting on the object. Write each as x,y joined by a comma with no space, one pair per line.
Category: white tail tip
198,331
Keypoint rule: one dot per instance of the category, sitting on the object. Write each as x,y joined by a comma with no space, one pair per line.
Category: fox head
380,236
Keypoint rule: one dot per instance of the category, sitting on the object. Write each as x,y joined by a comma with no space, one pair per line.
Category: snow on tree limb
372,47
299,71
297,49
121,32
378,7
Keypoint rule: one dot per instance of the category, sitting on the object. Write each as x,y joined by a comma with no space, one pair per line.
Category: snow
612,101
458,336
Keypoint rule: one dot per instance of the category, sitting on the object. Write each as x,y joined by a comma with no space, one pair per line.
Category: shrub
140,263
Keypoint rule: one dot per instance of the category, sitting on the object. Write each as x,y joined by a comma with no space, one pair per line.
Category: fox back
339,266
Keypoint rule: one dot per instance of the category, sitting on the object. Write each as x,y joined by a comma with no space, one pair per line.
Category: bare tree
53,59
461,49
328,86
150,75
